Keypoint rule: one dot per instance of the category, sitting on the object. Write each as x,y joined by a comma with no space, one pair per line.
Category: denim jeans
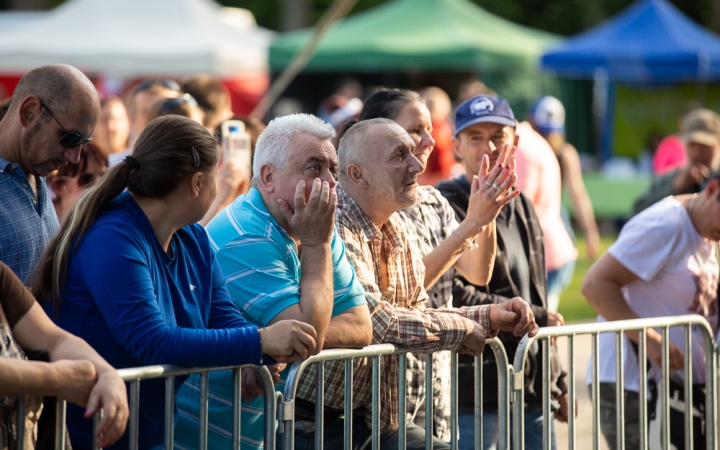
334,436
533,430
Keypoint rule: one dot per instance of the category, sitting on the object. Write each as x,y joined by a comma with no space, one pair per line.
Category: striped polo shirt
262,271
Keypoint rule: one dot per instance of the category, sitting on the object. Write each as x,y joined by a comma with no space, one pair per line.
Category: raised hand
491,188
313,220
289,340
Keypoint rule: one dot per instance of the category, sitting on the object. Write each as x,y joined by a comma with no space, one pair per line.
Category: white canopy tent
139,38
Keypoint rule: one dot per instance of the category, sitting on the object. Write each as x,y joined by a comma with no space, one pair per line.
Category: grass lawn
573,305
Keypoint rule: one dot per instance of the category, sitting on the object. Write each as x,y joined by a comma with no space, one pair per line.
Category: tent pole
337,11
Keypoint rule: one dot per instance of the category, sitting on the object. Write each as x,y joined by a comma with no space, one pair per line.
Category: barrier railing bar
664,395
619,390
319,405
688,388
545,344
169,413
428,401
348,403
376,404
96,421
402,394
134,421
643,393
60,413
596,390
270,412
571,393
453,401
237,409
203,411
504,374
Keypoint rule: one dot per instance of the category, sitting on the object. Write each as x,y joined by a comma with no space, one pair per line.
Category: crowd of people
130,238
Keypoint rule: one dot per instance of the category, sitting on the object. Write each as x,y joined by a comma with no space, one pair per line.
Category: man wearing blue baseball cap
484,125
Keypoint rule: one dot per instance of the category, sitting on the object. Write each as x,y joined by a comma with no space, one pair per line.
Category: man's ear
30,110
712,190
356,175
267,177
456,148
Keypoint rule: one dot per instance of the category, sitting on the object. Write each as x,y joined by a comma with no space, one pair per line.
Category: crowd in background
424,222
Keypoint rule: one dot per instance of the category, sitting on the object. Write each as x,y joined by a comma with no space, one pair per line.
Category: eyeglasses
175,102
69,139
147,84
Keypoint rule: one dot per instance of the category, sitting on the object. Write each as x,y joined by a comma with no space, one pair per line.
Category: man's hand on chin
513,315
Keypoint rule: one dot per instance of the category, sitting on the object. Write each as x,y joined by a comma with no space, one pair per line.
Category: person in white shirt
664,263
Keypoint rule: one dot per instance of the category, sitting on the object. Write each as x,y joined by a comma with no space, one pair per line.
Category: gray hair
352,144
272,144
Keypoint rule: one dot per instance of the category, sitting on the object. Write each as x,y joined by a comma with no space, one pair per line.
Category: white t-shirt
672,261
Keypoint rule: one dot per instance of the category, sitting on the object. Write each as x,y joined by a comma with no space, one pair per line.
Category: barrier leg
402,393
169,413
571,392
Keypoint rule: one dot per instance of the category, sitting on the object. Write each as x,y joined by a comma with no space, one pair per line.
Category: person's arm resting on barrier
76,374
602,288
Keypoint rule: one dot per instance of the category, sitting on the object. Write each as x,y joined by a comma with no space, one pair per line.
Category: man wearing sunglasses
52,115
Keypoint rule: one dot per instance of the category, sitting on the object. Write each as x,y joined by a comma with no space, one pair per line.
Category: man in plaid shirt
377,173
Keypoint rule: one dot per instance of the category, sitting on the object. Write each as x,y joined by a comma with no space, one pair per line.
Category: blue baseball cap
483,108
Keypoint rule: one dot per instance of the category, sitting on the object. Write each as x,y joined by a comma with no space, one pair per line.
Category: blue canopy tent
649,42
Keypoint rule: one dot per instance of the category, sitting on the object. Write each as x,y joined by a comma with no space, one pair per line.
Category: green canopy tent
413,43
413,35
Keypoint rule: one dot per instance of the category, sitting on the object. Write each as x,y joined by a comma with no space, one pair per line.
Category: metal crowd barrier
135,375
618,327
286,402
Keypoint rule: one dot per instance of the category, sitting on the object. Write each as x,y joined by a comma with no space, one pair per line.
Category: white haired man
378,176
263,241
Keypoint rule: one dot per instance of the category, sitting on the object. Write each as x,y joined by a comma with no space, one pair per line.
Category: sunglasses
147,84
69,139
176,102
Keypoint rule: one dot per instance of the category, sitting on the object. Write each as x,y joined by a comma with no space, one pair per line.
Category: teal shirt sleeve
347,290
263,277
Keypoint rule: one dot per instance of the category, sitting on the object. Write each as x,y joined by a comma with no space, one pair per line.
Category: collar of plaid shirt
398,314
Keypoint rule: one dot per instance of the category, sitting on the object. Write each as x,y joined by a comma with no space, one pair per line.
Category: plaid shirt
27,222
398,314
429,222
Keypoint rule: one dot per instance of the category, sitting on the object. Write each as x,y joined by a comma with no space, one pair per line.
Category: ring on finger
495,186
488,183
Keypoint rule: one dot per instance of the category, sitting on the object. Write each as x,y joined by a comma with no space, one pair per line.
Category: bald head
359,144
378,169
58,86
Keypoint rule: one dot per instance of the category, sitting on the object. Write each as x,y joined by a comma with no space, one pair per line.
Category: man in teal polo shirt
263,240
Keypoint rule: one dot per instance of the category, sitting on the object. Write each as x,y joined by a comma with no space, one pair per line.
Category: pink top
669,155
539,178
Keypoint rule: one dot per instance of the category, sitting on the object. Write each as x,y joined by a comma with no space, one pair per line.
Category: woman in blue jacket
133,274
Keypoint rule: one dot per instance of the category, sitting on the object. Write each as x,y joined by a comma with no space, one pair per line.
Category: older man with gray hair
378,177
264,241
